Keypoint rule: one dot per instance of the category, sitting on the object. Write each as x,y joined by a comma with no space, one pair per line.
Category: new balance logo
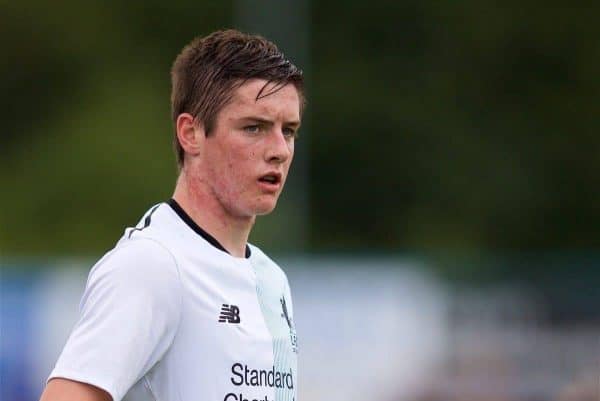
229,314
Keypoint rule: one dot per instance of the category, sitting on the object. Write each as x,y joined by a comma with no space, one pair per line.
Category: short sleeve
129,315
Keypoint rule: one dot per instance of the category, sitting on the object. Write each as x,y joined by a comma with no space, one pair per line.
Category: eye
289,132
252,129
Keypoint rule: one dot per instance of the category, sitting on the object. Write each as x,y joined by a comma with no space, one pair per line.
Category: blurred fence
369,328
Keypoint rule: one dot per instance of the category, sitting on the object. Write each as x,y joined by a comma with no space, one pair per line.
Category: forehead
274,99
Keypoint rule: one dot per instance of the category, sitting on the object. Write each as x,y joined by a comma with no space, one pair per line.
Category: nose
279,149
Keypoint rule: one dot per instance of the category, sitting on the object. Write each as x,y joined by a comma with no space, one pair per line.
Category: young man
183,309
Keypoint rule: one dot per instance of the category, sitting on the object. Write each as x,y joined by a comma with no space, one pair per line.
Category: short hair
209,69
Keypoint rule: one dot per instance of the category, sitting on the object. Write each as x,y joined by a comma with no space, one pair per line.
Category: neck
201,205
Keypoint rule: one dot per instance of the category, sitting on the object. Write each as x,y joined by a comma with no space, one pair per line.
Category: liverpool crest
286,316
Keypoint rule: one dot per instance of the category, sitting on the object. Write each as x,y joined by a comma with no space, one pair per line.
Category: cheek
289,161
238,172
223,175
233,171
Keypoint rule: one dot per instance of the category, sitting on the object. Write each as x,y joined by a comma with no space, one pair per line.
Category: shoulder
141,264
264,263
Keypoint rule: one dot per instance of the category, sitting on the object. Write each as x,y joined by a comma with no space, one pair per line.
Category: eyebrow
260,120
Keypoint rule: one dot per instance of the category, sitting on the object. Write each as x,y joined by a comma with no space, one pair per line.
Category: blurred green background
458,126
464,133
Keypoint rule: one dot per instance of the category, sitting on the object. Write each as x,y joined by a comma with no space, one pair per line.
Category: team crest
288,319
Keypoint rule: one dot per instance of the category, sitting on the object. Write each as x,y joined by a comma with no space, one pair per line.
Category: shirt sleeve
129,315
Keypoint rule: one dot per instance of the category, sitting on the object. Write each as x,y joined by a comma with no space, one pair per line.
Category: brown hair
209,69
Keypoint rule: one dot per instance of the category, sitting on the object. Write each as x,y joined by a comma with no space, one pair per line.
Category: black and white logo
290,322
229,314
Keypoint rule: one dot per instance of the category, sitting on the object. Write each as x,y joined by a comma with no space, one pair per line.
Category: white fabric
149,326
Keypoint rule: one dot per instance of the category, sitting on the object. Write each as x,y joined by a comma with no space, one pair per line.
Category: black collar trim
192,224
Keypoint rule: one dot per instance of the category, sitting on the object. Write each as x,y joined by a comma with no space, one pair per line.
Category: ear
190,134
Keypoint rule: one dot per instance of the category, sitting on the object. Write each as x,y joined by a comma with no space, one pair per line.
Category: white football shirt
169,315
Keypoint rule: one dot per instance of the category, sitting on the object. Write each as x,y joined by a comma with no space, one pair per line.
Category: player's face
250,150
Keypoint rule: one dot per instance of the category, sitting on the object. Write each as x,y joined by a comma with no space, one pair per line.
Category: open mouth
272,179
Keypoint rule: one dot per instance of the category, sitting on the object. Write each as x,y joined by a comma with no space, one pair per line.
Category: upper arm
129,316
59,389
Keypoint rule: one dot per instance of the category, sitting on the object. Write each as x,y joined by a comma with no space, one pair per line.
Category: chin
264,208
265,211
